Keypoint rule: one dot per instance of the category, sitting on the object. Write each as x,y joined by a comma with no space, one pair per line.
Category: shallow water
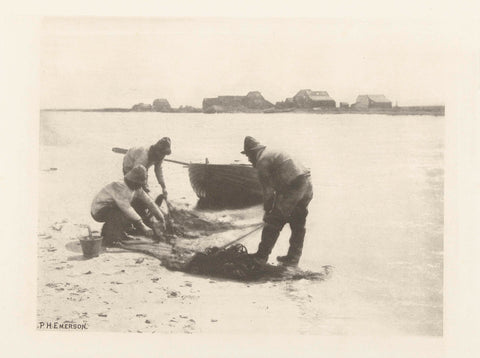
377,213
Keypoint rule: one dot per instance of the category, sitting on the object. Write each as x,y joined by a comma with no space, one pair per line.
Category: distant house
344,105
372,101
161,105
253,101
310,99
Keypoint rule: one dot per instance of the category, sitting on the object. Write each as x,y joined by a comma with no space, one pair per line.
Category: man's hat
251,144
137,175
163,146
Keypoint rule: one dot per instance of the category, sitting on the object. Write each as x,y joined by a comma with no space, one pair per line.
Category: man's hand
268,204
158,228
165,193
148,232
145,229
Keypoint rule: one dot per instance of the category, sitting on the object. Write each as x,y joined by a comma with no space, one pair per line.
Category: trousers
114,227
290,206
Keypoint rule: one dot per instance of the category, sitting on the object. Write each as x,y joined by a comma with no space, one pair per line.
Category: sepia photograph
238,176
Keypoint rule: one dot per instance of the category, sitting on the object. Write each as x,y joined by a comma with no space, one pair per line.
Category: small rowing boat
226,184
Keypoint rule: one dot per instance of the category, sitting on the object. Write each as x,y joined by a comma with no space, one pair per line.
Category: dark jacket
277,170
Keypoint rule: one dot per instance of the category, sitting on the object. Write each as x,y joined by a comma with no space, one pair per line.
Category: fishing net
190,225
229,262
233,262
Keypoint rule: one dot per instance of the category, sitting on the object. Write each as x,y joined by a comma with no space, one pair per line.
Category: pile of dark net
234,262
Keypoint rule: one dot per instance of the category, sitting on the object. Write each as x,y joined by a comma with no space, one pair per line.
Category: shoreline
398,111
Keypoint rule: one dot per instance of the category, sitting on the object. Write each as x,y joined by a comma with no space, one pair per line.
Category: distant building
344,105
252,102
310,99
161,105
255,100
372,101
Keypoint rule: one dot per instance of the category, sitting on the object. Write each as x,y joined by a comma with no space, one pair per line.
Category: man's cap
251,144
137,175
163,146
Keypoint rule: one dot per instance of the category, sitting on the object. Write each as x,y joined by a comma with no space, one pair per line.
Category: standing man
113,206
148,156
287,192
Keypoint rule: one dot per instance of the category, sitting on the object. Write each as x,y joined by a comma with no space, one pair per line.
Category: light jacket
139,155
277,170
118,194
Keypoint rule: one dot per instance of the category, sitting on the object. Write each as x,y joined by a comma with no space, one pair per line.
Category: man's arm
128,162
124,205
268,192
147,200
121,199
160,178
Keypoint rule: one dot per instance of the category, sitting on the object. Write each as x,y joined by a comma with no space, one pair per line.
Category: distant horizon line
130,108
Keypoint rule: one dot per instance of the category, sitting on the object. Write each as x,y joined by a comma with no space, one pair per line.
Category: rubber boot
269,238
295,250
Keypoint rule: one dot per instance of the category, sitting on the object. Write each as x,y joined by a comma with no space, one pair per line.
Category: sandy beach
376,218
125,291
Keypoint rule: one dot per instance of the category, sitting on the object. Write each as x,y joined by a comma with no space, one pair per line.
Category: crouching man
113,206
287,192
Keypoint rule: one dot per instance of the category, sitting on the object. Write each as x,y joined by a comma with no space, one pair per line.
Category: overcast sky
95,62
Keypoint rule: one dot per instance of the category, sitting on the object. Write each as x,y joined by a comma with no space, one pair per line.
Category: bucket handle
90,236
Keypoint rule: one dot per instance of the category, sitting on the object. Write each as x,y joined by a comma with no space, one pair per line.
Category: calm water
377,214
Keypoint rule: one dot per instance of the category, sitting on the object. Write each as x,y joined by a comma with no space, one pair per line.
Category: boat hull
233,184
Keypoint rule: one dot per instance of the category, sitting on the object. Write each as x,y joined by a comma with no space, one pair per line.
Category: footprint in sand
172,322
190,326
173,294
